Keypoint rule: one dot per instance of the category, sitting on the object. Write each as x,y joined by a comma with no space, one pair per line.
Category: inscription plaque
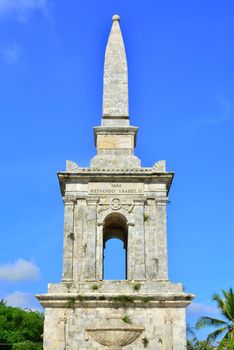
115,188
114,141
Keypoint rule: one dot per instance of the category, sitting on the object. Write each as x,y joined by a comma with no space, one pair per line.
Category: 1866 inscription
115,188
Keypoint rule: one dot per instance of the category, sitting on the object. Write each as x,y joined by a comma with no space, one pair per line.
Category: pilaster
151,241
162,238
80,239
69,204
138,241
130,251
99,251
90,258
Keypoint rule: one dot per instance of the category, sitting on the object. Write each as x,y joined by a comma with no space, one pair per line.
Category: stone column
151,260
68,245
168,334
138,241
129,250
90,260
162,239
99,251
79,231
62,333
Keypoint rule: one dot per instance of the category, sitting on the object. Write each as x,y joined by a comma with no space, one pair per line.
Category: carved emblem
115,204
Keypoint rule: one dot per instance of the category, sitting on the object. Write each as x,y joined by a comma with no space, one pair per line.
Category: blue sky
181,70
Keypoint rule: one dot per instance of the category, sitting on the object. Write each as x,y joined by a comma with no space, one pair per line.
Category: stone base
69,316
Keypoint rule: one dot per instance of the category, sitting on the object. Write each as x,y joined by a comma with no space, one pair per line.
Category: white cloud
11,53
212,122
201,309
22,300
22,8
20,270
226,113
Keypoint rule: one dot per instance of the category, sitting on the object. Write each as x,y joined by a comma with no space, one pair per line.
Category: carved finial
71,166
160,166
115,91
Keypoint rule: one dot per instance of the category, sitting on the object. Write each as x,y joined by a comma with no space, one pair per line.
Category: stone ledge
125,287
94,170
75,300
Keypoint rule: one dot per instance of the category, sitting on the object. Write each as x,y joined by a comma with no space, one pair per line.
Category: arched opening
115,242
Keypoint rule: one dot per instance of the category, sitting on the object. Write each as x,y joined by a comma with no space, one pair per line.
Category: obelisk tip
116,18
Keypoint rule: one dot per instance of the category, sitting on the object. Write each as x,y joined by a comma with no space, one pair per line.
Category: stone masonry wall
164,327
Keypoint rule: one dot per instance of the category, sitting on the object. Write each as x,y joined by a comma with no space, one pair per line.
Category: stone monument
115,197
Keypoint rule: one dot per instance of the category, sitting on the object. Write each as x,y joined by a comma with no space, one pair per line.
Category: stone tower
115,198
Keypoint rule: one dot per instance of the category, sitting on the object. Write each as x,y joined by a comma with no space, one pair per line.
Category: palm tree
225,305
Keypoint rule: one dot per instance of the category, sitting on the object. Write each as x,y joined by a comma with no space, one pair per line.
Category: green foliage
197,345
95,287
127,319
145,342
81,298
71,302
123,299
225,305
71,236
136,287
18,325
144,299
27,345
146,217
225,344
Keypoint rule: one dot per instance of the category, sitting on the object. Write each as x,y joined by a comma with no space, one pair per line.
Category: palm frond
219,300
190,331
214,335
226,304
229,304
205,321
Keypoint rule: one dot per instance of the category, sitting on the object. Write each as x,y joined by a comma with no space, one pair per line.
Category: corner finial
116,18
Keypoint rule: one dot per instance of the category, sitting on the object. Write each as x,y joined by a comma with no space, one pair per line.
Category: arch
115,227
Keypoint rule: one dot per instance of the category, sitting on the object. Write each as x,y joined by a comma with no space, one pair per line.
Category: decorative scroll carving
71,166
115,204
128,205
160,166
103,205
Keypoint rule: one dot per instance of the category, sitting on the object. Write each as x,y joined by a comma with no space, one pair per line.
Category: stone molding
92,201
139,201
93,300
115,130
161,202
94,170
68,200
